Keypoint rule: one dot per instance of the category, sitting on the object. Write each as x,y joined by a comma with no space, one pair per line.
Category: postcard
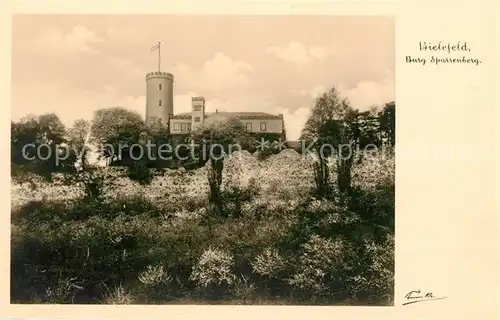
213,160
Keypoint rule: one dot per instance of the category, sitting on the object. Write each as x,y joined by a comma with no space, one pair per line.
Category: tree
368,128
115,128
52,130
23,132
78,140
329,128
157,134
36,143
387,119
217,140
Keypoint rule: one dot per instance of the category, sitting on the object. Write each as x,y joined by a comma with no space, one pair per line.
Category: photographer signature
416,296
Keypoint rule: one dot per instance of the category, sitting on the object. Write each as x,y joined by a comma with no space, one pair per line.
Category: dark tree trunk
322,177
215,181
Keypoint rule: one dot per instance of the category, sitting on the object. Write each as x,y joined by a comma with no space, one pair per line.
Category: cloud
295,52
217,75
182,102
366,94
313,92
79,39
363,94
294,121
126,66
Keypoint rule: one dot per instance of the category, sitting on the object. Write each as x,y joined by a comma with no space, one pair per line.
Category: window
159,87
185,127
177,126
197,108
196,119
262,126
159,103
249,126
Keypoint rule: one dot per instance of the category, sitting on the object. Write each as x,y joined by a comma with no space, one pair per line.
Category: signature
416,296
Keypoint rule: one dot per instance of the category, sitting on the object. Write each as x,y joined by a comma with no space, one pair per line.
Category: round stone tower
159,97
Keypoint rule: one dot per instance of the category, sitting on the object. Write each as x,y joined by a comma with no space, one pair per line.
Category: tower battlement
159,74
197,99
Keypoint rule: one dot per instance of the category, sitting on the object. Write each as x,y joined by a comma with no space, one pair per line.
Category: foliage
139,171
155,279
158,135
260,244
119,295
62,292
344,132
243,287
214,270
269,263
387,118
329,124
115,128
322,267
217,140
78,141
38,146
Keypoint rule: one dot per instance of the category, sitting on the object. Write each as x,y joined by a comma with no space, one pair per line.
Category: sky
73,65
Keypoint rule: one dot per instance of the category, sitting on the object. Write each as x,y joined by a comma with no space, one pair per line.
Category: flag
156,46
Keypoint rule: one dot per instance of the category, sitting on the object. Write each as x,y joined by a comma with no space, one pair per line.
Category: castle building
160,109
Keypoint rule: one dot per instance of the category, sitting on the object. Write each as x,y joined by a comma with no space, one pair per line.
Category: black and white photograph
202,159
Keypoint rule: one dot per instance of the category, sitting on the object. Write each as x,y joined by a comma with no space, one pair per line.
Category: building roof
238,115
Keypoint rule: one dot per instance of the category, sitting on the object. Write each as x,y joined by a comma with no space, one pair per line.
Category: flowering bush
374,171
269,263
321,266
243,287
119,295
214,267
23,193
154,275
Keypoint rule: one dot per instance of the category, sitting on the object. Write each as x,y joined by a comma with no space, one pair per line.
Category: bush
140,172
243,288
270,264
155,280
214,272
375,284
119,295
323,267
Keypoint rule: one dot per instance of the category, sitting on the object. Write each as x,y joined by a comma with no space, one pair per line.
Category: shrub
62,292
140,172
93,181
243,287
376,282
322,268
376,207
155,280
119,295
269,263
214,271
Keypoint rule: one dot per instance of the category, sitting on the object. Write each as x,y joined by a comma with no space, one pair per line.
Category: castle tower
159,97
198,112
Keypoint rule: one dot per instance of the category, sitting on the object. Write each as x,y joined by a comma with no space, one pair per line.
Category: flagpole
159,56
